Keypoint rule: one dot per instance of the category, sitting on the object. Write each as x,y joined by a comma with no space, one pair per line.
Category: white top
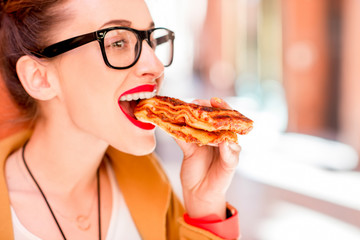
121,224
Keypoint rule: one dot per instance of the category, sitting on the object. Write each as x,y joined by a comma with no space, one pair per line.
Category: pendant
83,222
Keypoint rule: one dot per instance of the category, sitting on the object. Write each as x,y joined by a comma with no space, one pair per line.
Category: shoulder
8,183
11,171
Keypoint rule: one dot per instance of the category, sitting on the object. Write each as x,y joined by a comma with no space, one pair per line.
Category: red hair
25,26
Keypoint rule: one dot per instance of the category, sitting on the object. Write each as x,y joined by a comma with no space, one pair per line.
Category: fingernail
234,146
218,100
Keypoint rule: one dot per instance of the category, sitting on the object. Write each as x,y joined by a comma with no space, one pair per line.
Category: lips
128,100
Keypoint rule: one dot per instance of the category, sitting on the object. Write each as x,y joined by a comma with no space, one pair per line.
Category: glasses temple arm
66,45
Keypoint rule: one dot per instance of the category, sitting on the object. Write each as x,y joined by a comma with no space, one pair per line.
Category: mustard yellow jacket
155,209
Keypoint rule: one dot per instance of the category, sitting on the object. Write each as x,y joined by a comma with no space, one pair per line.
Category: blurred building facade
320,65
309,48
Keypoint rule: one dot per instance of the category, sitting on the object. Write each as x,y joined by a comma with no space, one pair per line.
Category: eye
118,44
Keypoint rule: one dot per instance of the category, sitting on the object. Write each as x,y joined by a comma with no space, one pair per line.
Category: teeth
142,95
139,95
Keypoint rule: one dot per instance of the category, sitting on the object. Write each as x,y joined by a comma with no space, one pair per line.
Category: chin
144,151
141,151
137,147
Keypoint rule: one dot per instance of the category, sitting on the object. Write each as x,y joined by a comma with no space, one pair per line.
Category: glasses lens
162,43
121,47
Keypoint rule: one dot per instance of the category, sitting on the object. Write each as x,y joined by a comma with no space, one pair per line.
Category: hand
206,173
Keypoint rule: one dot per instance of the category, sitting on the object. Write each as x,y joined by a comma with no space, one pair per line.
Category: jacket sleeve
177,228
189,232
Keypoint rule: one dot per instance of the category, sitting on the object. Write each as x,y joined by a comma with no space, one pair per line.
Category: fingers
214,102
187,148
202,102
219,103
229,152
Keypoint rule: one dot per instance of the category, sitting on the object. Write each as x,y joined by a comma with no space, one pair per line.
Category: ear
34,78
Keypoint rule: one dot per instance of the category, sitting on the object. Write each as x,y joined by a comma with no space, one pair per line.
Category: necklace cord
99,205
47,203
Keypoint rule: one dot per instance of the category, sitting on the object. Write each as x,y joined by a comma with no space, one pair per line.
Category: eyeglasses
120,46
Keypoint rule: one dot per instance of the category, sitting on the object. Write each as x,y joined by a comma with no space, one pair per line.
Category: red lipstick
142,88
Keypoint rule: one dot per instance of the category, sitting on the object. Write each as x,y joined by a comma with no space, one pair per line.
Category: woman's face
90,91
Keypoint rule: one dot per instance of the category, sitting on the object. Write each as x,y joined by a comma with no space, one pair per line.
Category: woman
85,170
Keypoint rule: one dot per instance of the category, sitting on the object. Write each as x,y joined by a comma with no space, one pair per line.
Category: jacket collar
146,191
142,182
7,146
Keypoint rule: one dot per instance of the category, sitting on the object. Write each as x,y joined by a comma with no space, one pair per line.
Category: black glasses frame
72,43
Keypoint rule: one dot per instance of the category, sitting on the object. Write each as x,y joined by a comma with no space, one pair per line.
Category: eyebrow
124,23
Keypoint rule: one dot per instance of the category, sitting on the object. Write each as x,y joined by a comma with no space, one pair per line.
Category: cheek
83,72
86,96
89,93
86,82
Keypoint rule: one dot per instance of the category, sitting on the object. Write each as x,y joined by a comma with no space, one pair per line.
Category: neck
63,158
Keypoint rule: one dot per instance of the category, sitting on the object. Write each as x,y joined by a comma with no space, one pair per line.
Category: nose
148,64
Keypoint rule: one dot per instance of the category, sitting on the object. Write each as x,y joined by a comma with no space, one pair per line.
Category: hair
25,26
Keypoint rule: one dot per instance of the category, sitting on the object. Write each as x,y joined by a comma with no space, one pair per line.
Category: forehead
91,15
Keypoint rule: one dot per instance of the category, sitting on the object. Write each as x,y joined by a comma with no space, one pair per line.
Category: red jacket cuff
226,229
